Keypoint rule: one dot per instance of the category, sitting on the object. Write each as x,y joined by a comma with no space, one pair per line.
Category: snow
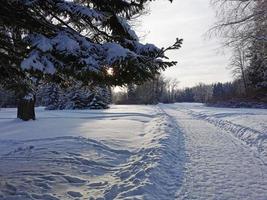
218,165
81,151
68,6
115,52
91,62
249,125
143,49
127,28
64,43
37,62
81,11
92,56
29,97
146,49
42,43
132,152
94,124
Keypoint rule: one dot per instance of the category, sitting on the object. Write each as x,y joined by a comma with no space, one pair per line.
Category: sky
201,59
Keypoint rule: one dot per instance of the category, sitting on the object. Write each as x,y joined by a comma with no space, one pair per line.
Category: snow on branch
41,42
64,43
78,10
38,62
127,28
89,56
66,6
115,52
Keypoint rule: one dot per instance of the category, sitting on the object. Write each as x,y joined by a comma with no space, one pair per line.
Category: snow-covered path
163,152
217,165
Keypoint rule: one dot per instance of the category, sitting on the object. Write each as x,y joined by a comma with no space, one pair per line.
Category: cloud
200,59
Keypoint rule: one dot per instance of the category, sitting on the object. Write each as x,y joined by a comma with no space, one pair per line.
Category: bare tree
239,63
243,26
239,21
167,89
173,86
202,92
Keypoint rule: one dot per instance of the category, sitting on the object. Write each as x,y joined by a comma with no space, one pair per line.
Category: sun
110,71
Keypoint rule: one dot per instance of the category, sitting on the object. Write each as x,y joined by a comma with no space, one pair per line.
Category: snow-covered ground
179,151
124,152
249,125
218,165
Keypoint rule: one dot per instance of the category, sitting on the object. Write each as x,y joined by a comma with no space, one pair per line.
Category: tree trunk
242,67
26,109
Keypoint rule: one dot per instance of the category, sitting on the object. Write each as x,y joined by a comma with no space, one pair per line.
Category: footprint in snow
98,184
44,196
11,188
74,194
75,180
58,173
55,152
48,178
42,185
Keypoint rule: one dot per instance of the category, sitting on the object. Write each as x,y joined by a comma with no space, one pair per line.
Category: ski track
254,138
218,165
183,154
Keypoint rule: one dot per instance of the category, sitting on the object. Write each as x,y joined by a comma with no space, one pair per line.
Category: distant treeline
163,90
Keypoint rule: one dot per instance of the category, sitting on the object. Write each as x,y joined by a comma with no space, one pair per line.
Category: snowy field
249,125
177,151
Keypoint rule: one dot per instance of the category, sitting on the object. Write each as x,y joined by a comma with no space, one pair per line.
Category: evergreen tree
97,103
105,92
81,39
218,91
76,101
131,93
189,95
101,98
51,96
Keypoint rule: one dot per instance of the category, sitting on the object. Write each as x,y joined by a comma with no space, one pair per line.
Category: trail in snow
249,125
180,151
217,165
